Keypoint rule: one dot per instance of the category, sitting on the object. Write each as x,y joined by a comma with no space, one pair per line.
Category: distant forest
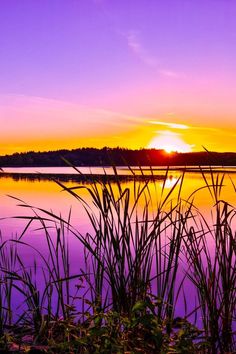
116,156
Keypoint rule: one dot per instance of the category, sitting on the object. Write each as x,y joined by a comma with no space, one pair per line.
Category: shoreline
73,177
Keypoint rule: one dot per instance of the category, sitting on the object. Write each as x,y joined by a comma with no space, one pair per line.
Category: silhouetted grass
123,297
213,269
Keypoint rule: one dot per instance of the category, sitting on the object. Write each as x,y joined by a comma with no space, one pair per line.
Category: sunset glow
104,73
170,142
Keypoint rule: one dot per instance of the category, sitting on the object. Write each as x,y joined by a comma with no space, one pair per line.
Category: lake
35,187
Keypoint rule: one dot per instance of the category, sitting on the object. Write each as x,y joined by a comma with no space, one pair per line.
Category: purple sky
168,60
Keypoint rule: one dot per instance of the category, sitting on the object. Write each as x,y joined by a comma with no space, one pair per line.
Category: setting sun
169,141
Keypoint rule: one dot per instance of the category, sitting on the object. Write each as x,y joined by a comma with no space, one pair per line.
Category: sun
170,142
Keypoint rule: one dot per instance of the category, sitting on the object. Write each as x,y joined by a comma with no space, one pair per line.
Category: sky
128,73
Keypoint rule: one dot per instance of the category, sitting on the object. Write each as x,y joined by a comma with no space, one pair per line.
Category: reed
125,294
135,234
211,254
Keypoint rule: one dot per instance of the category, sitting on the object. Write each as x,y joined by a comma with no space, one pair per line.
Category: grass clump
145,246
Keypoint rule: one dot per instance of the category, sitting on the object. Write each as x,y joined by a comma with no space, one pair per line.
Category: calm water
48,195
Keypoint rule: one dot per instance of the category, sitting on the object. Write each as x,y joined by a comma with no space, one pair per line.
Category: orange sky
133,74
33,123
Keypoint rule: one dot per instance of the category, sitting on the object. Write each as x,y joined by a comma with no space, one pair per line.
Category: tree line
116,156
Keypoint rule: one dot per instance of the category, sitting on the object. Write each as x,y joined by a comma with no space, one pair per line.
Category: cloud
182,126
132,38
170,125
135,45
34,116
38,123
170,73
137,48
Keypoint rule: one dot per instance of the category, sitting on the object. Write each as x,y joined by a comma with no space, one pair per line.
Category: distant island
116,156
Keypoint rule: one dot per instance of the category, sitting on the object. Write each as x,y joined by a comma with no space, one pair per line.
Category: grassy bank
145,249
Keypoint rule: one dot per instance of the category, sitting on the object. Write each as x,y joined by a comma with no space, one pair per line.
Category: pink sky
95,73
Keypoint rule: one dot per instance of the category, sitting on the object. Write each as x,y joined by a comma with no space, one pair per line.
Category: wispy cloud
173,125
56,117
170,73
138,49
134,43
136,46
170,125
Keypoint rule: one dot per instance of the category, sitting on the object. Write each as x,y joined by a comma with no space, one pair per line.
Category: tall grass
135,240
140,239
211,254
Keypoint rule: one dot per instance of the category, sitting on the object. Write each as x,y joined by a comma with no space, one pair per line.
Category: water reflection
42,191
46,194
79,178
171,181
